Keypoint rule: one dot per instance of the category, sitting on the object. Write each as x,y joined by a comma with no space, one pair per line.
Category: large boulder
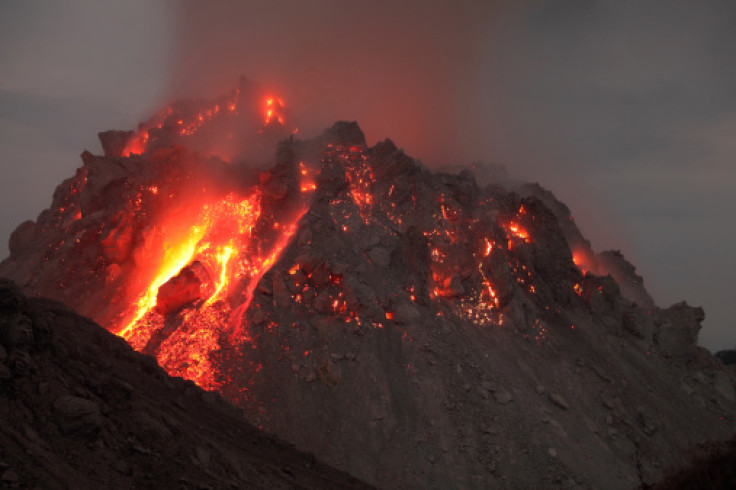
179,291
677,330
114,142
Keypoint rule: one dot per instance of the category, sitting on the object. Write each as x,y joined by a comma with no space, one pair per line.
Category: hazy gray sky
625,109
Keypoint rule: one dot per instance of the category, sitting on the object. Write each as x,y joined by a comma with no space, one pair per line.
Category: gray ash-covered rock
410,327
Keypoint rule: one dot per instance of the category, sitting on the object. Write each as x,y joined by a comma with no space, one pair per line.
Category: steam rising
399,70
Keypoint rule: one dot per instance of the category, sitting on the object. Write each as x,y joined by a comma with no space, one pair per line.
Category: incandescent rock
180,290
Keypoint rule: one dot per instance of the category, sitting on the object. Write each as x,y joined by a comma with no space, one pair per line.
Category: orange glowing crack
226,218
176,257
256,273
489,247
518,231
223,257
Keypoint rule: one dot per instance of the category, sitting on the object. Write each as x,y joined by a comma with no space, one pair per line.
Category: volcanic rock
123,427
727,356
344,133
435,284
678,330
114,142
631,284
180,290
22,235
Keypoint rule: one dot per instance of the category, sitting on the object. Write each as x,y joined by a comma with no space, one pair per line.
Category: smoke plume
398,70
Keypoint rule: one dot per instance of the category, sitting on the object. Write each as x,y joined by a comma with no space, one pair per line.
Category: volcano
410,327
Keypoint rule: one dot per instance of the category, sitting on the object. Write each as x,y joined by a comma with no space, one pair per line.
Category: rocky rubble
416,329
80,409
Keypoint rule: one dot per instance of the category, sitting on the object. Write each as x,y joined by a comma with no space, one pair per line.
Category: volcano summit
412,328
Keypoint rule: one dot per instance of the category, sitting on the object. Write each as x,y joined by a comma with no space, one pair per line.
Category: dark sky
625,109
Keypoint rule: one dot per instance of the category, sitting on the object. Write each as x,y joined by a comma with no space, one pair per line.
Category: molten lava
210,241
202,262
194,290
273,111
220,238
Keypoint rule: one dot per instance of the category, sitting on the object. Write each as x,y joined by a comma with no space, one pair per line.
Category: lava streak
216,242
176,257
204,275
258,267
223,257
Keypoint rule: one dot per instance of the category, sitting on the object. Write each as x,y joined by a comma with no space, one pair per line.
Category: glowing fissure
176,256
220,232
223,257
257,270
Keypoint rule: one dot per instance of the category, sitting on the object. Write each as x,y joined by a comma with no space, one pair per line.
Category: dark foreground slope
80,409
711,466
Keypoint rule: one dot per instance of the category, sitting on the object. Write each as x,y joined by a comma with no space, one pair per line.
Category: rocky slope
410,327
80,409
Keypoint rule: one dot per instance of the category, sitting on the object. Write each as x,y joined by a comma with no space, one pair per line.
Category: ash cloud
401,69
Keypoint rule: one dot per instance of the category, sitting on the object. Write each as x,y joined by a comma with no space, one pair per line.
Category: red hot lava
202,248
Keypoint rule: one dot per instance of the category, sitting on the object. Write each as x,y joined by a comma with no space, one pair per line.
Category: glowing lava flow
223,258
215,241
202,265
259,267
175,258
216,255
